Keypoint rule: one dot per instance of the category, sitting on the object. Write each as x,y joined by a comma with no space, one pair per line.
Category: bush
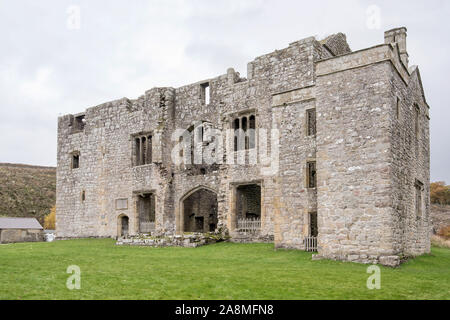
445,232
439,193
49,220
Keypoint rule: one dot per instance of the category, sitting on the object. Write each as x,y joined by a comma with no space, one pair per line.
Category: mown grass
220,271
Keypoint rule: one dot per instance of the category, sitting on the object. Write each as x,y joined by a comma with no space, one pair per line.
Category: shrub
49,220
445,232
439,193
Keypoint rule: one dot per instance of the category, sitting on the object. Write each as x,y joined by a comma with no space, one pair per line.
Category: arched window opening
252,132
244,132
142,150
236,133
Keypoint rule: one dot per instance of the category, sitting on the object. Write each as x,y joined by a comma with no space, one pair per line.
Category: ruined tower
317,142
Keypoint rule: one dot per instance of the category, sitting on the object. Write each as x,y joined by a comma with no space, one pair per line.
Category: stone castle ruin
318,148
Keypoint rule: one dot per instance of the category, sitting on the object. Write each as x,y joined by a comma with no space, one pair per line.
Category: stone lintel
292,96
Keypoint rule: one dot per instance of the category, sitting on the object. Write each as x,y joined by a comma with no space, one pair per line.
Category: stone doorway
248,201
248,208
124,224
146,212
199,211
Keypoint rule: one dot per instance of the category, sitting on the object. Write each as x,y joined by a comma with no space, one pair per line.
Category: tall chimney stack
398,35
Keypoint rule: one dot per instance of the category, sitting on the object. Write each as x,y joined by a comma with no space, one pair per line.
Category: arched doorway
123,226
199,211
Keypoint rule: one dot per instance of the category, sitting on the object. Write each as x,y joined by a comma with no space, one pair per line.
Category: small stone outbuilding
20,230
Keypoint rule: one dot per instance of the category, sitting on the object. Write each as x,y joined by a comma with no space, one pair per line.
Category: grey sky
124,48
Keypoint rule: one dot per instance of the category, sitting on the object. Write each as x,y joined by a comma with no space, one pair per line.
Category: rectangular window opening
75,161
205,93
416,122
311,122
313,230
311,174
78,123
244,132
419,190
142,150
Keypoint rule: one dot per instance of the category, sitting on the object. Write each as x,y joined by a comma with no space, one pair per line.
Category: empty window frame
236,127
416,120
205,93
311,179
252,132
311,122
78,123
419,190
181,152
142,150
83,196
75,160
313,229
397,107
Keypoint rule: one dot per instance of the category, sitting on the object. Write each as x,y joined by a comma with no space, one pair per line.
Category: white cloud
40,88
125,48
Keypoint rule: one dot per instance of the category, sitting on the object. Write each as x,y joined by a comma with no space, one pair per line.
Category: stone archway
198,211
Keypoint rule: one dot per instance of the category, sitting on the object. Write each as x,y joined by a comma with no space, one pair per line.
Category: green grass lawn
220,271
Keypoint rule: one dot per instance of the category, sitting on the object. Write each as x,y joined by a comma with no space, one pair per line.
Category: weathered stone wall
336,44
410,162
296,200
353,159
21,235
364,155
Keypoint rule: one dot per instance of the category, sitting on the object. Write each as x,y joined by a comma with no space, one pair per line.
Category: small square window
78,123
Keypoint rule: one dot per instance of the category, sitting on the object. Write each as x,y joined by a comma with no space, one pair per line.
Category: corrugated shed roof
19,223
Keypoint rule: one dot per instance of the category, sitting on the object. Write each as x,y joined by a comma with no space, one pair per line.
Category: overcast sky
54,63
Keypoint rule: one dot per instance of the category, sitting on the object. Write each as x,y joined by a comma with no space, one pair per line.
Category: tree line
439,193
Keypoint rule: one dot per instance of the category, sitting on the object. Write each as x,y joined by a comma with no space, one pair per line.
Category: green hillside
26,191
